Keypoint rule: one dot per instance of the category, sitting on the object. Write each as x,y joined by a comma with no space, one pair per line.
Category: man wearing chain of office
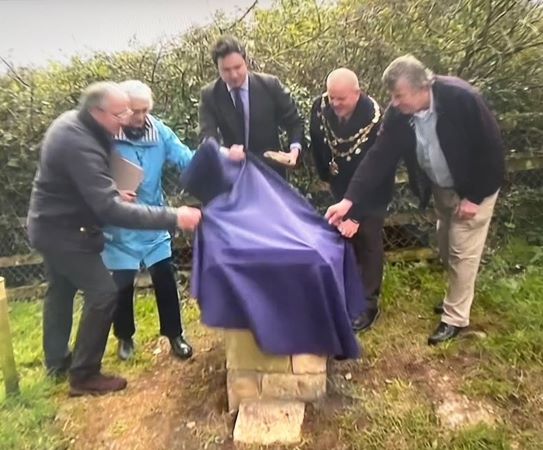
343,126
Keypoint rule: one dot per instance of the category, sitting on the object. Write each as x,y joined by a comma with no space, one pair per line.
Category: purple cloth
265,260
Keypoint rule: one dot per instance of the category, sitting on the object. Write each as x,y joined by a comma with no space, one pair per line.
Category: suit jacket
271,107
468,135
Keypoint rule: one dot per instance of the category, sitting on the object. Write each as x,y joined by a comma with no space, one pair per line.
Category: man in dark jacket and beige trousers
73,197
451,143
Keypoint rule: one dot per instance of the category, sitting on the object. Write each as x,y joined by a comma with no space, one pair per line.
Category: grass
504,370
28,421
392,397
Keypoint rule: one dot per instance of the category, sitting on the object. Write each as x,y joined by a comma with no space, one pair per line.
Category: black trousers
370,254
167,299
68,272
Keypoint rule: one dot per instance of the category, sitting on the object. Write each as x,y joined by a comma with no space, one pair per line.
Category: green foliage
496,44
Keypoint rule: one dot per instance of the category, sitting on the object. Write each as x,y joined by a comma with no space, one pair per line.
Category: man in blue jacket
451,143
150,144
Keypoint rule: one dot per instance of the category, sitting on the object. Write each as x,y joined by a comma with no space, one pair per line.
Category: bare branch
244,15
13,72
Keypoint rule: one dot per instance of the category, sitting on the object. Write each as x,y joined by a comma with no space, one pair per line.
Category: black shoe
180,347
444,332
125,350
366,320
438,309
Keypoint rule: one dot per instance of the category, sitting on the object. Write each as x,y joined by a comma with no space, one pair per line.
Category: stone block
243,353
242,385
269,422
307,388
307,364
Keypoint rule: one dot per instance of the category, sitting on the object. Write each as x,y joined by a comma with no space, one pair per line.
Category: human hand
337,212
128,196
188,218
466,210
348,228
236,153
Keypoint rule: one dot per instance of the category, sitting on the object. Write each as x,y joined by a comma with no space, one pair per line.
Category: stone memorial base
268,390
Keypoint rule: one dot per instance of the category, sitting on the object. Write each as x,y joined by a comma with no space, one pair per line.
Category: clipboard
127,175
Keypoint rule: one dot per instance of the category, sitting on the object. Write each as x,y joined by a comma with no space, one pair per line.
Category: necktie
240,116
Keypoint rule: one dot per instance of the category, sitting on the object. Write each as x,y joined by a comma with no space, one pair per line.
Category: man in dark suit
451,143
248,108
343,127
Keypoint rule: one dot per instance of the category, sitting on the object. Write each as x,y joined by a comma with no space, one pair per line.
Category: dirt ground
182,405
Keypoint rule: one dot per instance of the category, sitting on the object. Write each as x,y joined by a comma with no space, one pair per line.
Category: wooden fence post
7,360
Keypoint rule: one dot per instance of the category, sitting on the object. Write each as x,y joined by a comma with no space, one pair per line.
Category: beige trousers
461,244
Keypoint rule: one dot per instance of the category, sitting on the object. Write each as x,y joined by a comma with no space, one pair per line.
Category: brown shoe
98,384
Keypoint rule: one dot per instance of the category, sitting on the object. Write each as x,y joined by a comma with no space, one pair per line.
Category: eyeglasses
120,115
123,114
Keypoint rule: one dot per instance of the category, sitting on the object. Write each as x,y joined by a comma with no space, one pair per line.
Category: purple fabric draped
265,260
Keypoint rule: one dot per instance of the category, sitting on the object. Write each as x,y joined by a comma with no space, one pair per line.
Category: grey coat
74,194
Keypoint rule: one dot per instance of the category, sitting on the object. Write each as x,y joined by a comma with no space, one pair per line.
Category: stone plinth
254,375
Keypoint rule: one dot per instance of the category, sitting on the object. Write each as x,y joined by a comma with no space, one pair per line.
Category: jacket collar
150,136
97,130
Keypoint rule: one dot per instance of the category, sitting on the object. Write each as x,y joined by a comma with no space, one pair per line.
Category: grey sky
35,31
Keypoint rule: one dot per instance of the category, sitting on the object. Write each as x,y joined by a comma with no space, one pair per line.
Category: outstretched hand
337,212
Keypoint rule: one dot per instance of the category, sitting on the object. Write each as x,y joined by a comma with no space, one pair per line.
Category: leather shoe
98,384
366,320
443,332
180,347
125,350
438,309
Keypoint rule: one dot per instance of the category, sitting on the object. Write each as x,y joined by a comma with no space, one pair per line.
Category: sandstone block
307,364
307,388
269,422
242,385
243,353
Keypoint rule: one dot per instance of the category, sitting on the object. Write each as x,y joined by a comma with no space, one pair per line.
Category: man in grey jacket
73,197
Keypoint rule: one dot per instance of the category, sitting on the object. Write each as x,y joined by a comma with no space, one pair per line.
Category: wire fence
408,234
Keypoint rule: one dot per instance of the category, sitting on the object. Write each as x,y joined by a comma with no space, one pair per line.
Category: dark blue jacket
469,137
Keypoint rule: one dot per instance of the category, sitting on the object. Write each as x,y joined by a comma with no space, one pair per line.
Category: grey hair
411,69
96,94
136,89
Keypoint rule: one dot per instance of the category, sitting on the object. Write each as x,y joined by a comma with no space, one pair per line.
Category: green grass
393,399
27,420
503,370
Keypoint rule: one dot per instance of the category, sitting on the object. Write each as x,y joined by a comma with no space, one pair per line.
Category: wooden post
7,360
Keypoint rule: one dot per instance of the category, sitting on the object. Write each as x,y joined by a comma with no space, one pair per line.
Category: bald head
343,77
343,91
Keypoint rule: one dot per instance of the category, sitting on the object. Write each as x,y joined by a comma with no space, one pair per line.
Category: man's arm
90,173
483,129
289,118
177,153
380,163
208,125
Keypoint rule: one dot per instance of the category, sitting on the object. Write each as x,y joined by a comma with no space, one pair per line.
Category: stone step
268,422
